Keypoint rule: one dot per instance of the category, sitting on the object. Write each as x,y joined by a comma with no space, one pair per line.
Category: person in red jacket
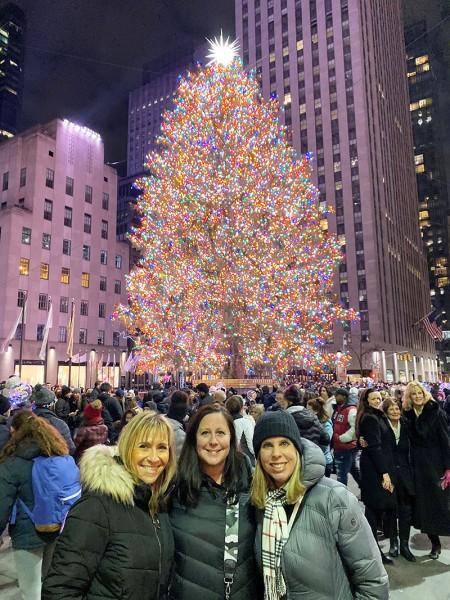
344,436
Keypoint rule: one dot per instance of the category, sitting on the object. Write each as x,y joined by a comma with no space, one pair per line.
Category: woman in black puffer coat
213,474
377,463
117,541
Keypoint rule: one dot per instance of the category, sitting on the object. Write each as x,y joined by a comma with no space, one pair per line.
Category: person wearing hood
312,539
344,436
117,541
92,431
308,424
176,416
43,399
111,403
430,456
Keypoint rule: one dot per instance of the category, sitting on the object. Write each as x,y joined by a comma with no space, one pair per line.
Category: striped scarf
275,534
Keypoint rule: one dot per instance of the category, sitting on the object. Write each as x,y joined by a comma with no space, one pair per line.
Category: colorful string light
234,259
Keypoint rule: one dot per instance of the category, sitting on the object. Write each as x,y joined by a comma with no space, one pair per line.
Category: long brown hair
318,407
30,429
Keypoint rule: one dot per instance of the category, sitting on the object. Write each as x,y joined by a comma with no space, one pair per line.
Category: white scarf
396,431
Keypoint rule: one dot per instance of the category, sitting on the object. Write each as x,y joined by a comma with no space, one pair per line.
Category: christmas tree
235,264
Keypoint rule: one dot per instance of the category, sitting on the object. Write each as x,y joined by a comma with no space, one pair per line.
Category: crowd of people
205,492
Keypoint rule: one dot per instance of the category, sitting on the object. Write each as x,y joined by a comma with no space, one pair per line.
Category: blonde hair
149,424
407,403
262,483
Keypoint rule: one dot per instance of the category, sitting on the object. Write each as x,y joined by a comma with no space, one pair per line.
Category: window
103,257
88,194
87,223
64,304
84,308
69,186
46,241
102,284
117,286
86,252
102,310
85,280
21,297
65,275
118,261
105,230
18,335
26,235
24,267
50,178
101,337
67,216
83,336
116,338
5,180
23,177
43,302
67,247
40,332
105,201
62,334
44,270
50,153
48,210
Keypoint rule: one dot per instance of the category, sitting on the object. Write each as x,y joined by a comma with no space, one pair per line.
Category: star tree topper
222,52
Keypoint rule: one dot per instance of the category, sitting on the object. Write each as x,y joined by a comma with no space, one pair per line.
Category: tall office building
12,54
427,32
147,104
58,246
337,67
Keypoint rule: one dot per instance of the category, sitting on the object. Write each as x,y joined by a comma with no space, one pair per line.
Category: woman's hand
362,442
387,483
445,480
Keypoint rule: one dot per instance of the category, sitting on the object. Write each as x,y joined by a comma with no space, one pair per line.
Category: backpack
56,487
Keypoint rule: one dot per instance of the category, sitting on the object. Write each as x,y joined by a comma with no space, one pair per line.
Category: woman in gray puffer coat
312,542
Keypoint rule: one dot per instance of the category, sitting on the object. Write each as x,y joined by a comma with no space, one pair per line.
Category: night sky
84,56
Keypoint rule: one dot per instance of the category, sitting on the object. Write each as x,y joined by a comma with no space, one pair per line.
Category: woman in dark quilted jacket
117,541
212,502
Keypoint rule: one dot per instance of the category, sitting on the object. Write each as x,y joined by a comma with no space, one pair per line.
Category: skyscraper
427,31
337,67
12,54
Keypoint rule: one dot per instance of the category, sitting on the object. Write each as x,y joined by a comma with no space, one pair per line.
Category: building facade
58,212
428,65
337,69
12,56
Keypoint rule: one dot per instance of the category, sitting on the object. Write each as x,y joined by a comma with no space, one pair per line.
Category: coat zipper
157,526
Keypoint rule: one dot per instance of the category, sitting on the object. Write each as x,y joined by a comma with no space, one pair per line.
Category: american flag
434,330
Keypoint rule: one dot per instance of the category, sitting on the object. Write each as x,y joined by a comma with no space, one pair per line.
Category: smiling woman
312,539
119,526
211,514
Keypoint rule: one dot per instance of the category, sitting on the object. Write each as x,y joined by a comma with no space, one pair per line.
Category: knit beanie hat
93,410
278,423
4,405
42,396
11,382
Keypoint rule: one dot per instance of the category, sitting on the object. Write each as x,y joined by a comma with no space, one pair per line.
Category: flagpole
46,345
22,332
420,320
71,342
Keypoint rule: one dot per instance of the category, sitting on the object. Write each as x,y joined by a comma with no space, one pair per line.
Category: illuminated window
65,275
85,280
442,281
420,104
420,168
420,60
44,270
418,159
24,267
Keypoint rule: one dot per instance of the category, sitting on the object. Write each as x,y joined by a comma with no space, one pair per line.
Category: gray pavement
425,579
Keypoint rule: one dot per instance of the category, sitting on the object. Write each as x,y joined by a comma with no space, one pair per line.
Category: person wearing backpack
117,541
32,437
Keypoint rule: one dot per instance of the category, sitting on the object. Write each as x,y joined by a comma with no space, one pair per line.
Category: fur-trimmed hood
101,473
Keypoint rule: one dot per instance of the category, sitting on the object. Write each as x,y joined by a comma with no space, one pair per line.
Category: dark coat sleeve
443,435
370,430
78,551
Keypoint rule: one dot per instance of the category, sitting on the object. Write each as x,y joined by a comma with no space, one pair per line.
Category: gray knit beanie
42,396
277,423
